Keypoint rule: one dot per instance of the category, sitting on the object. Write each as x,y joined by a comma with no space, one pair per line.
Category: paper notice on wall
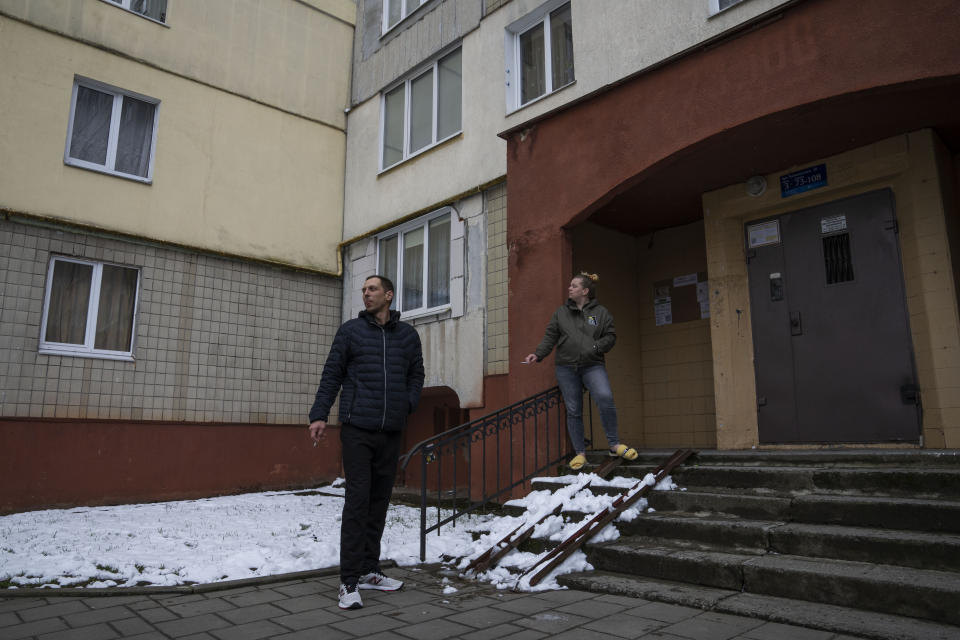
663,313
703,292
683,281
703,297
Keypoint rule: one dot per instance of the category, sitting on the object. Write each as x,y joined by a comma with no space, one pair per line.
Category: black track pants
370,467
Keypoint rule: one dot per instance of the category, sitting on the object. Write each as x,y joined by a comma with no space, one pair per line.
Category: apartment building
171,196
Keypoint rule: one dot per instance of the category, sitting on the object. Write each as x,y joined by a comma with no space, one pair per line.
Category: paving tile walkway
304,608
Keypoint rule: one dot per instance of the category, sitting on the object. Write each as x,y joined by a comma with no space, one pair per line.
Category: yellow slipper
577,462
625,452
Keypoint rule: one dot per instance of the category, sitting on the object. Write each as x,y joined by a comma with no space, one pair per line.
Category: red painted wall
561,169
50,464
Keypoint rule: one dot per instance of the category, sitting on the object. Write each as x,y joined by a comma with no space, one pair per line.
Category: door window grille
837,259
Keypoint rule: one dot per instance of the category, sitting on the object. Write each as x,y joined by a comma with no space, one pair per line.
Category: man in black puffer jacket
378,362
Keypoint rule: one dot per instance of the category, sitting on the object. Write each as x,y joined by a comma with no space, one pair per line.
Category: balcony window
153,9
539,55
416,257
422,111
394,11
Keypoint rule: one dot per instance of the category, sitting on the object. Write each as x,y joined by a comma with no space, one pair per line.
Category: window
421,111
416,257
716,6
539,54
111,130
396,10
89,309
153,9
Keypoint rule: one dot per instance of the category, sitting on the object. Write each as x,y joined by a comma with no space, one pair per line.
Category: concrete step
823,458
902,591
879,512
883,512
771,507
825,617
892,481
919,550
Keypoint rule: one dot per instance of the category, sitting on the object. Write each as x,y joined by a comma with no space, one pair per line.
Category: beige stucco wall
294,55
231,175
907,164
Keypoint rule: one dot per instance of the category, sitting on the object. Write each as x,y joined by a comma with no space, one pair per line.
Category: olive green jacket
580,336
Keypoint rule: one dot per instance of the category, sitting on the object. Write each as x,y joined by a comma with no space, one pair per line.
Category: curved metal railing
509,446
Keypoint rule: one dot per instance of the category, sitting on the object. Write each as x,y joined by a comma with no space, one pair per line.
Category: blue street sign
803,180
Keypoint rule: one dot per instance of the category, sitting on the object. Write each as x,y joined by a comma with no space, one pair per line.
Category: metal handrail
540,446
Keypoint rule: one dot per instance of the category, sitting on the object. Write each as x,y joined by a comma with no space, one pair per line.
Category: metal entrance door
832,347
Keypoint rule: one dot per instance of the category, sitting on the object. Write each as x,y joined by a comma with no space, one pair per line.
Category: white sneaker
380,582
350,597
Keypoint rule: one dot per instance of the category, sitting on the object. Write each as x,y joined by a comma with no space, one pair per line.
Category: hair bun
594,277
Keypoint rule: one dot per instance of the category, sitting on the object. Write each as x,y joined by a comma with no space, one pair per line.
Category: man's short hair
384,280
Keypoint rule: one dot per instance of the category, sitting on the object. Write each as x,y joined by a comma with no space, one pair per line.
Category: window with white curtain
395,11
539,54
111,130
416,257
89,309
153,9
422,111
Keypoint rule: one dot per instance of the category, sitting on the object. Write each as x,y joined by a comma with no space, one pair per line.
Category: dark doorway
832,348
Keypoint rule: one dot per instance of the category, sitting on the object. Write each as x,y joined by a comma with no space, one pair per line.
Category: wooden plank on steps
558,554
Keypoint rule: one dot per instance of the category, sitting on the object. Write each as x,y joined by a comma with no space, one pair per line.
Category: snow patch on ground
274,532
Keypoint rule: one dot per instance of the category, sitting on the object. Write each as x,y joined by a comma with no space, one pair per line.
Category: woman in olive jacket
582,331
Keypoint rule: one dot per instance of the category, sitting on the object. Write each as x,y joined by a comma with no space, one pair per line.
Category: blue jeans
594,377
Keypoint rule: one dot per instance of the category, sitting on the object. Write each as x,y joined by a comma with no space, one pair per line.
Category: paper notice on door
764,233
833,224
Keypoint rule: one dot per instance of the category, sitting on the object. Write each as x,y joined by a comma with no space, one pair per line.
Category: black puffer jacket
380,369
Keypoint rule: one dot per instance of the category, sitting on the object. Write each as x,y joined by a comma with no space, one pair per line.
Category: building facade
171,198
767,189
773,189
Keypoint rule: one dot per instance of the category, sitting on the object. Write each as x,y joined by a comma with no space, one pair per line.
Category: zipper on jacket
383,420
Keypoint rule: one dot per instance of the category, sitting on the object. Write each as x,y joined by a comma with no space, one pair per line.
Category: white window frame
715,6
407,83
541,16
118,95
127,5
422,222
405,12
87,349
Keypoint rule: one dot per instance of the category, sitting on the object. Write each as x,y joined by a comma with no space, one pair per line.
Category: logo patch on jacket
592,321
